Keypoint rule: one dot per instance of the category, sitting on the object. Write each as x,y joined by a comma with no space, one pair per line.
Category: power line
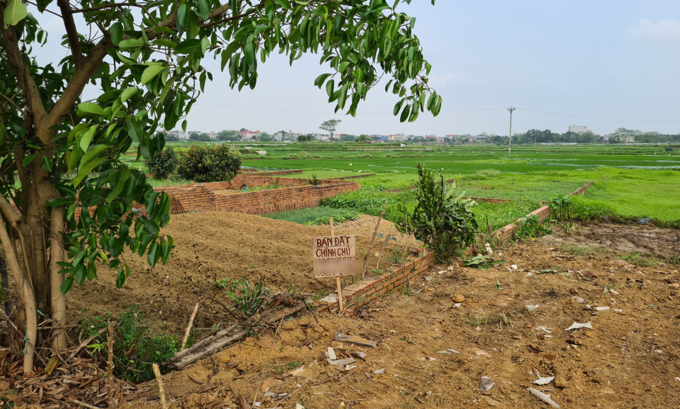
599,118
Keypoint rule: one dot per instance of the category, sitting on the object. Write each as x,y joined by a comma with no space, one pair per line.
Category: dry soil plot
209,247
630,358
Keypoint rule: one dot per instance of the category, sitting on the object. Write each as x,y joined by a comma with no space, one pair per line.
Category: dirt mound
432,352
633,238
209,247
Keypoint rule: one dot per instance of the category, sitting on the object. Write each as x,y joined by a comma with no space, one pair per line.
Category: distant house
479,139
248,134
578,129
212,135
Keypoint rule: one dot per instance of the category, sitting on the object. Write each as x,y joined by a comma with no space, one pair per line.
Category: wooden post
161,391
111,385
337,279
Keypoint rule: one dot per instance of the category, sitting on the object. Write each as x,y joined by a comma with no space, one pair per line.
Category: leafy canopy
146,59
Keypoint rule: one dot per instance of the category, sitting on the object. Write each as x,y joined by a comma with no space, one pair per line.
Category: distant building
479,139
248,134
278,137
397,137
578,129
212,135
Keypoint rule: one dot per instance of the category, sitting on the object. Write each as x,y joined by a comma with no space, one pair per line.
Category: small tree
347,138
363,138
330,126
209,163
441,220
163,163
194,136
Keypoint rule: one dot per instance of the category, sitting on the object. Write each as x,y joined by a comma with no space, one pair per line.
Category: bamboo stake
363,274
110,369
191,324
337,278
159,379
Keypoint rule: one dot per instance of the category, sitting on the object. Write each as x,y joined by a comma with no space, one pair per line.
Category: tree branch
16,61
82,76
6,210
71,32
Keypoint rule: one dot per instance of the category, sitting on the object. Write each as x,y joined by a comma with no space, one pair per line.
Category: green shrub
209,163
163,163
441,220
135,349
562,208
249,299
531,227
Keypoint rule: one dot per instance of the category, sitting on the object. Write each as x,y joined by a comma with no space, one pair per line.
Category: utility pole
510,146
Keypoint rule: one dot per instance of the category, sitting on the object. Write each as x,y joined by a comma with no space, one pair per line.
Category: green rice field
630,181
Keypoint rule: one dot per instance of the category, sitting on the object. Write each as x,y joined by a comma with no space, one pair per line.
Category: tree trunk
26,296
58,301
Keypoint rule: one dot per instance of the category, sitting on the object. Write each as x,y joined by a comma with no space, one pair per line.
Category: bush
209,163
134,348
163,163
441,220
531,227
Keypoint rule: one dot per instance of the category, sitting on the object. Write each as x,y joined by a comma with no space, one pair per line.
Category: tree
194,136
171,138
363,138
61,153
228,136
441,220
347,138
302,138
265,137
164,162
209,163
243,130
330,126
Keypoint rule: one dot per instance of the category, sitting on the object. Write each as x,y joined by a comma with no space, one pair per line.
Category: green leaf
120,278
343,66
116,31
84,170
131,43
28,159
92,153
89,108
405,113
204,9
127,93
86,138
343,96
152,257
66,285
181,21
250,55
134,130
120,185
151,72
15,11
165,42
47,164
320,80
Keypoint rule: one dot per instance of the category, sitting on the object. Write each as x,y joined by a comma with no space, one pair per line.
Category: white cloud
440,81
661,30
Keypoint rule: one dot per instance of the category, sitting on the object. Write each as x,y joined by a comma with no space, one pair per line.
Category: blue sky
605,64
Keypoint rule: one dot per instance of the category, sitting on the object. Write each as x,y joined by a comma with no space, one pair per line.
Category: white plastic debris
544,381
379,371
486,383
453,350
580,300
514,266
617,310
457,305
601,308
544,329
532,307
544,397
577,325
331,354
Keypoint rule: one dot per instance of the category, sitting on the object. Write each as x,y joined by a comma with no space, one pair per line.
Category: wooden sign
334,256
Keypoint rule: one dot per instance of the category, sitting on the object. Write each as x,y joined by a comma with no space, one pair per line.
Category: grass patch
581,251
315,215
640,260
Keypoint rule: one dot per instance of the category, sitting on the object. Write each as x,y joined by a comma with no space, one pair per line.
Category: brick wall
370,289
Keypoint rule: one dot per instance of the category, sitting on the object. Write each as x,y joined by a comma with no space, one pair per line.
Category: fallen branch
191,324
368,254
227,337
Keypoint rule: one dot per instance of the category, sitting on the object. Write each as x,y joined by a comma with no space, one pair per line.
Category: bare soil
208,247
630,358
